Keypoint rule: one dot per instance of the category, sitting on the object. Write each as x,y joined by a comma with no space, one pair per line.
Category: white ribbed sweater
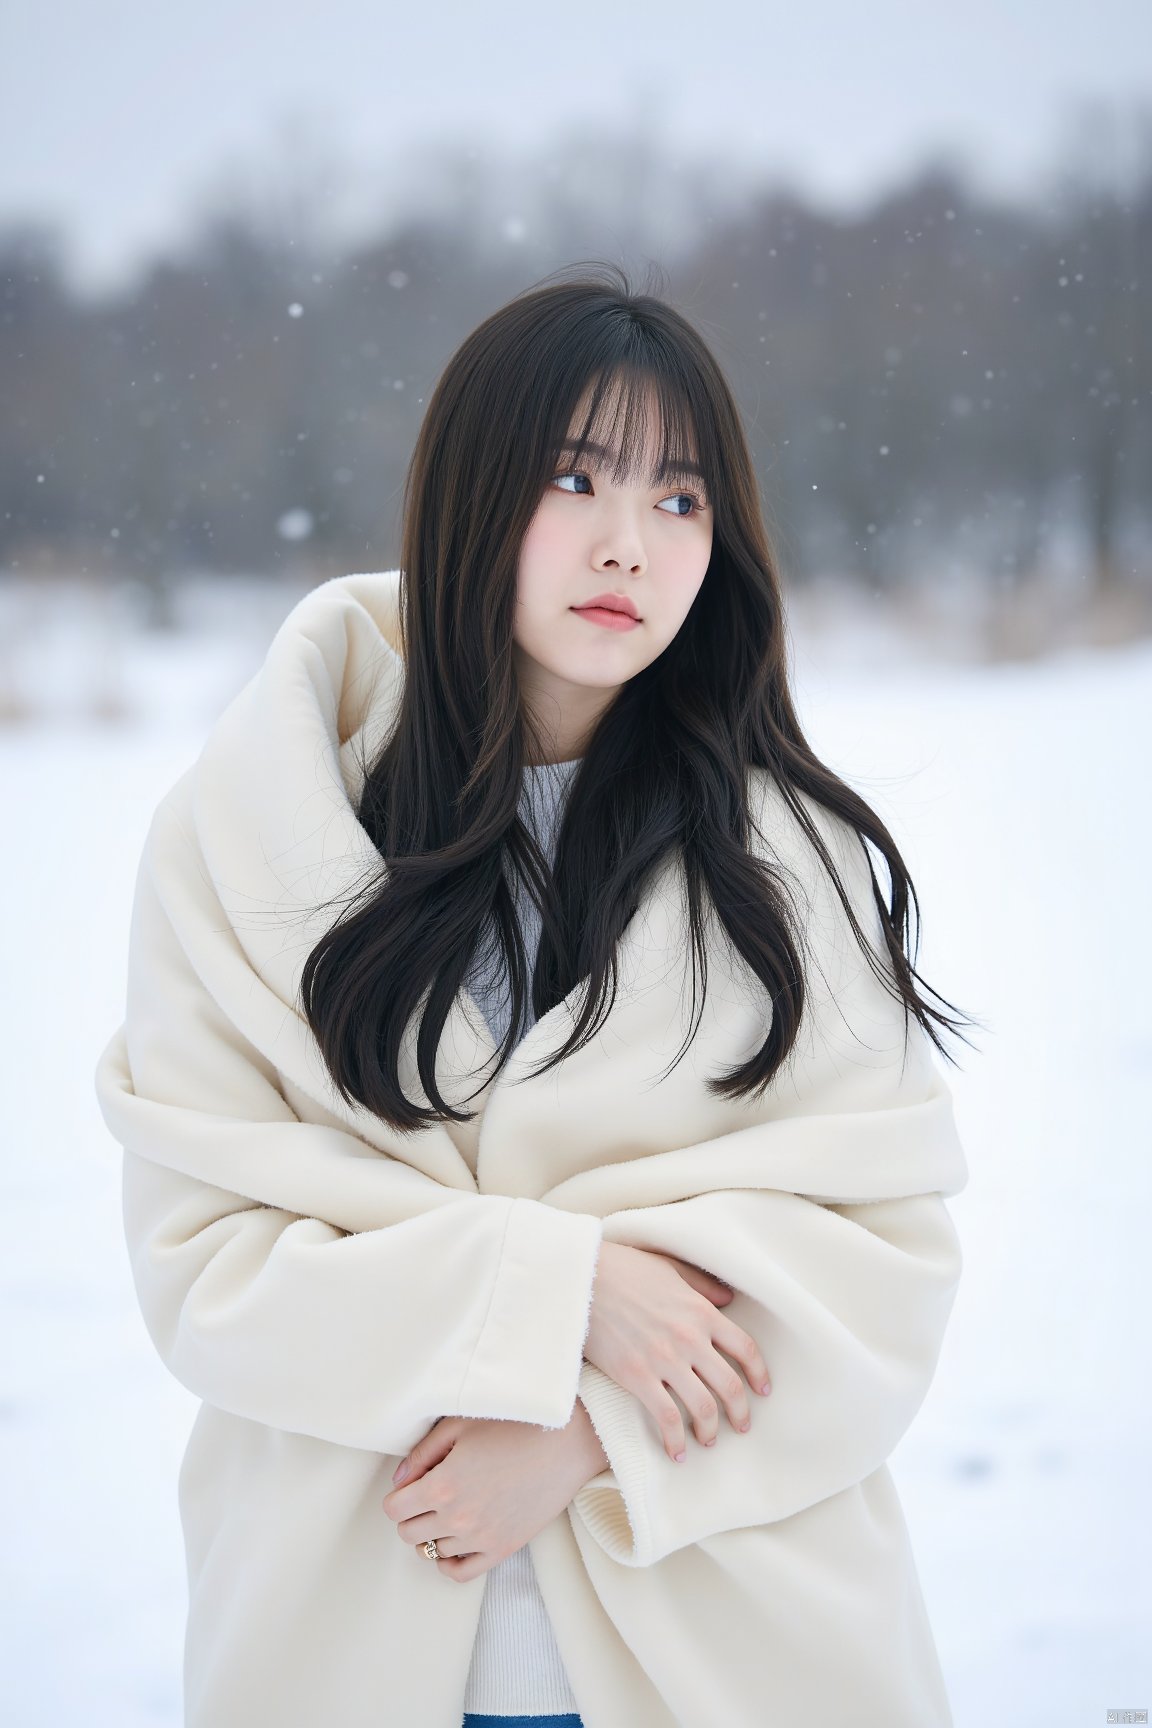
516,1666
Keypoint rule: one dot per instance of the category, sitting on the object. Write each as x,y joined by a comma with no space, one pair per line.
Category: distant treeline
938,389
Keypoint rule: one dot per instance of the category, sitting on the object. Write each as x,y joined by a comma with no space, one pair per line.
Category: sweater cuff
614,1505
532,1339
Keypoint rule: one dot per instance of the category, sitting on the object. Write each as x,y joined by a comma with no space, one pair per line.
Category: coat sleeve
848,1304
848,1297
455,1303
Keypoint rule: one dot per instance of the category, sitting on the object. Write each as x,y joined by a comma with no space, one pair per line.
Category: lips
604,619
610,603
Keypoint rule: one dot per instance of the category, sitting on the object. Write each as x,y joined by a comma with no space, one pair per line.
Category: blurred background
237,245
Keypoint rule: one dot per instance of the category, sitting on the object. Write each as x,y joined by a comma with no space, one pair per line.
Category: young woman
534,1154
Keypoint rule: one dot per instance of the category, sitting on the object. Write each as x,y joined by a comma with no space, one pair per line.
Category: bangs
614,435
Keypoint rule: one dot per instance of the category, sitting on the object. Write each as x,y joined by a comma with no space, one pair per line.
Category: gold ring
431,1549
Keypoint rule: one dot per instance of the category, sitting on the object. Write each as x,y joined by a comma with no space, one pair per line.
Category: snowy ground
1014,793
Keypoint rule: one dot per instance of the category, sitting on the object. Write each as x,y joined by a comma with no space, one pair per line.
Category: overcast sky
116,116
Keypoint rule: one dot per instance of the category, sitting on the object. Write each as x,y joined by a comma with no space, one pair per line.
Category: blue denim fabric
568,1720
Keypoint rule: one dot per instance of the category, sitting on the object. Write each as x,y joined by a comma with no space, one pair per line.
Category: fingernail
401,1471
766,1388
680,1457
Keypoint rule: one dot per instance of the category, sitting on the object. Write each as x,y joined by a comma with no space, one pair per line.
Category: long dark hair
665,769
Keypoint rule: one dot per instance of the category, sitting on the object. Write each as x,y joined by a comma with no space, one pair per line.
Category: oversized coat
330,1289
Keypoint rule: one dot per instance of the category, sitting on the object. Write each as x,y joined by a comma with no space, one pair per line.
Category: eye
697,501
569,475
693,498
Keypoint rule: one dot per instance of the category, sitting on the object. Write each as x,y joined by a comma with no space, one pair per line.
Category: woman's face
646,545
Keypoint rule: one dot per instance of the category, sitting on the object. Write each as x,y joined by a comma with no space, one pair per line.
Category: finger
428,1452
729,1387
666,1412
463,1568
400,1502
705,1282
708,1287
697,1399
734,1341
422,1528
403,1503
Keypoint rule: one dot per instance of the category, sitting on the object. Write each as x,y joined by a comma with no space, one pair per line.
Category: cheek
545,558
682,576
547,540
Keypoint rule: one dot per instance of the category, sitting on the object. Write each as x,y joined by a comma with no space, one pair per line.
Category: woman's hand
484,1488
654,1326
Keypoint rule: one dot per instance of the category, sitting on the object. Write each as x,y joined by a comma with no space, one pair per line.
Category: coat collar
270,802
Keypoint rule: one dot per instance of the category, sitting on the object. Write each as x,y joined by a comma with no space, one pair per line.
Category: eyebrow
669,469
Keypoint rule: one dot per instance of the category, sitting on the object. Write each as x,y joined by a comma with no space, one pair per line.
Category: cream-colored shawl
330,1288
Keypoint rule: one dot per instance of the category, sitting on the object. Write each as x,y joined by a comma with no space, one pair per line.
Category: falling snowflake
295,524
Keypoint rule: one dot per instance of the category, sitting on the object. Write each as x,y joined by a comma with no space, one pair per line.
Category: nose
622,548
